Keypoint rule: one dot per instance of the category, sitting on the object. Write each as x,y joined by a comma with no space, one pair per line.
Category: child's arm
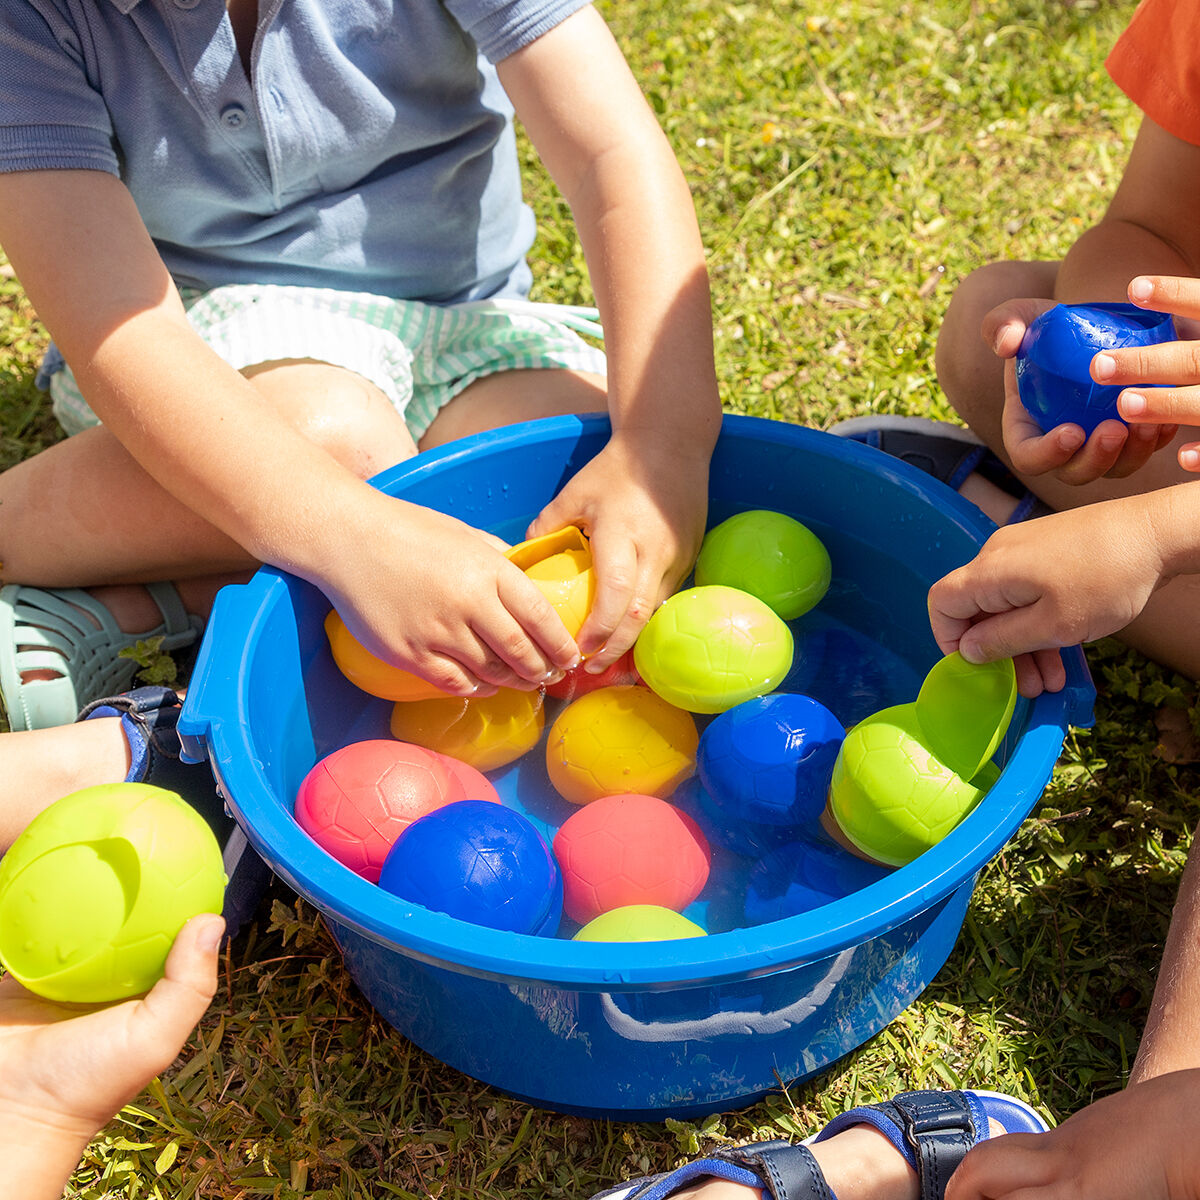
1140,1142
643,499
416,587
1149,229
1065,578
64,1072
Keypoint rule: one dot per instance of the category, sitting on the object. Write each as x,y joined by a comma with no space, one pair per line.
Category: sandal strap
69,633
778,1168
932,1128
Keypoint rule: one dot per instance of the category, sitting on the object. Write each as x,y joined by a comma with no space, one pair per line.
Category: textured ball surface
771,556
357,801
96,887
631,849
708,648
617,740
639,923
1053,364
803,875
770,759
485,732
479,862
891,797
372,674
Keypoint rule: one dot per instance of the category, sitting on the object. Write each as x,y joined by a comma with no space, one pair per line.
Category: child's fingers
619,609
1141,443
1168,363
527,634
1004,327
1005,1166
1099,455
1167,293
1160,405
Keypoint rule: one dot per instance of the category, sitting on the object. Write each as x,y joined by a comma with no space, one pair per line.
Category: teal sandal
66,631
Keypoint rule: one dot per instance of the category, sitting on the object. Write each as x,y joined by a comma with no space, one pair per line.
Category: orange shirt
1156,63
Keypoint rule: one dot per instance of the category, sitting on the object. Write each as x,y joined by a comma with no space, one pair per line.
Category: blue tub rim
520,959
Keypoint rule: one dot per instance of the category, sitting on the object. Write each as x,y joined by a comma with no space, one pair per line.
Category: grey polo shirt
370,149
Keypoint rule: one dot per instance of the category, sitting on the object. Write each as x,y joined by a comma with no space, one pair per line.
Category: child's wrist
1173,515
36,1161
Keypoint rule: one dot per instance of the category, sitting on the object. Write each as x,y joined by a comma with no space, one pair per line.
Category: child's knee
342,412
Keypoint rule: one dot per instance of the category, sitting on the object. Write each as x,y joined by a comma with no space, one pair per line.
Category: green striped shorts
419,355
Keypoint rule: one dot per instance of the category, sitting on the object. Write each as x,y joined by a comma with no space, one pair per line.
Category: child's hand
643,506
65,1070
1176,364
1040,585
1140,1142
436,596
1113,450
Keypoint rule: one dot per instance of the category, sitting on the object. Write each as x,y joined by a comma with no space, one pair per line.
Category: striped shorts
419,355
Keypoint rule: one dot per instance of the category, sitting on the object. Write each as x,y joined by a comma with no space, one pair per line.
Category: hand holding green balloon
95,889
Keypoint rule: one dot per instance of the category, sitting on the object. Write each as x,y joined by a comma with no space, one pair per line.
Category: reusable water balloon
708,648
618,740
639,923
484,731
95,889
1054,362
771,556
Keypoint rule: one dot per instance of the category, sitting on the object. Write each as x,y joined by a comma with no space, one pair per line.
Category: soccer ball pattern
623,850
620,739
771,556
769,760
891,796
358,800
708,648
478,862
486,732
95,889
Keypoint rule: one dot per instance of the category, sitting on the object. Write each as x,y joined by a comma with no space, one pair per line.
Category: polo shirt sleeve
51,117
1156,63
501,27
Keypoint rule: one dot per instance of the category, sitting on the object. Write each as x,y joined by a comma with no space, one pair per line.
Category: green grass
850,163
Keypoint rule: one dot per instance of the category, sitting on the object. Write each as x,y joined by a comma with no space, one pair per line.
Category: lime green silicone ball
709,648
639,923
95,889
771,556
891,796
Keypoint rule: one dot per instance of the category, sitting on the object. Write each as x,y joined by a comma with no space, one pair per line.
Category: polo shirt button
186,3
233,116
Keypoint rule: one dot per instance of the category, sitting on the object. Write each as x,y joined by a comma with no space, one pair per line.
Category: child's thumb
180,998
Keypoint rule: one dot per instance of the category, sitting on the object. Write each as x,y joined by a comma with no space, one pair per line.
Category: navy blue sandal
148,718
948,452
933,1130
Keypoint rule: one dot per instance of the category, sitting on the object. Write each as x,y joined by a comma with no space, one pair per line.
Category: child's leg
1171,1041
511,396
40,766
84,512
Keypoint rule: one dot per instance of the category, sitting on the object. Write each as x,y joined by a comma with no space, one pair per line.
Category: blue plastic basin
635,1031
